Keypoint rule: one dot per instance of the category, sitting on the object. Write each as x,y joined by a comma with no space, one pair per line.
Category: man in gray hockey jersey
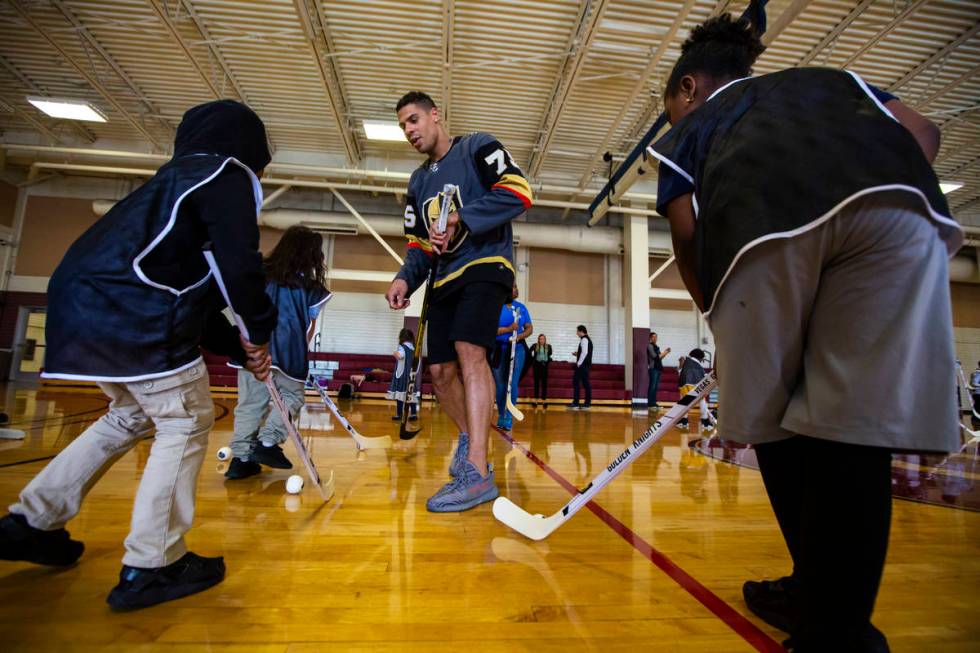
473,279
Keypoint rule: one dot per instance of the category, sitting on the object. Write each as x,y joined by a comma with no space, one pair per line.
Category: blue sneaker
460,456
466,491
505,422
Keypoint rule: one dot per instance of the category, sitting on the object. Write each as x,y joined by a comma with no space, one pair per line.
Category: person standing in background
655,367
583,363
541,357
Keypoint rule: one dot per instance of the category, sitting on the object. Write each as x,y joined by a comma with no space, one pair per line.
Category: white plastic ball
224,453
294,484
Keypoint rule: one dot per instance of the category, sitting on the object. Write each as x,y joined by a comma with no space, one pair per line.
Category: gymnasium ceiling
558,82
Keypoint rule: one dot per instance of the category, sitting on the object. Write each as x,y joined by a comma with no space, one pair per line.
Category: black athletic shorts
470,314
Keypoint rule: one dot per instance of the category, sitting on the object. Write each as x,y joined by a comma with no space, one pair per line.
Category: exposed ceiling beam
938,55
37,90
448,27
969,75
93,82
38,125
641,84
107,58
835,33
318,40
884,31
213,49
789,14
175,36
580,41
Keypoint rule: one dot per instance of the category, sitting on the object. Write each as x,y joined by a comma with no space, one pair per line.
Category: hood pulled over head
223,127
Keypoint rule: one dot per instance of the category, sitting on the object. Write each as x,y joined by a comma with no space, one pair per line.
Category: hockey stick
511,408
538,527
325,487
404,431
363,442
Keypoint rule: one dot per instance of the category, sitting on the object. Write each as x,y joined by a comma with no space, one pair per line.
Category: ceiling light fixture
68,109
383,130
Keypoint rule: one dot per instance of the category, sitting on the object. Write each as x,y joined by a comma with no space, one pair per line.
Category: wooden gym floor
657,565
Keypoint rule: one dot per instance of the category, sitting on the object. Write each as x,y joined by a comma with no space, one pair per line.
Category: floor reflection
928,478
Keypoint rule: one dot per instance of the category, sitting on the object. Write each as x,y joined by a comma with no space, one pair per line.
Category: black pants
540,380
833,504
581,376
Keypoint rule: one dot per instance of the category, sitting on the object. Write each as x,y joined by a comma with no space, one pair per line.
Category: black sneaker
239,468
774,601
141,588
682,424
413,418
396,418
571,406
21,541
585,406
271,456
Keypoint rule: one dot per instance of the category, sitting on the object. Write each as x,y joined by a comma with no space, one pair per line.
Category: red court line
742,626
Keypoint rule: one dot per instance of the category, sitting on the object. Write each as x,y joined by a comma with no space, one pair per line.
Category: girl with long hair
295,282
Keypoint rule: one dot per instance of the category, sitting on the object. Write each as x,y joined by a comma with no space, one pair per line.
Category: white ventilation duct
573,238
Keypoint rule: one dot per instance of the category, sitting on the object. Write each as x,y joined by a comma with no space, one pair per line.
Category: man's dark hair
653,333
415,97
582,328
697,354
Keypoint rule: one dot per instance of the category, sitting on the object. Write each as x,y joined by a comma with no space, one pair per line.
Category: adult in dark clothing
129,307
541,360
655,367
583,363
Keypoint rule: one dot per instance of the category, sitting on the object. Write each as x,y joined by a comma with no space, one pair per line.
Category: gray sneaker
466,491
460,456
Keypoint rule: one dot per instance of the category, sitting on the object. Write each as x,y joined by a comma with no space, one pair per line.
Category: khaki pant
180,408
842,333
254,408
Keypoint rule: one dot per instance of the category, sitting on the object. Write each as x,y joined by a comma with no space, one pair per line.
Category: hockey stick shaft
511,408
538,527
363,442
413,377
304,454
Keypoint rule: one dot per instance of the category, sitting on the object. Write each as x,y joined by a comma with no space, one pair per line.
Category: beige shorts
841,333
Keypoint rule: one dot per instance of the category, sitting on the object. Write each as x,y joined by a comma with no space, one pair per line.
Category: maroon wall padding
12,301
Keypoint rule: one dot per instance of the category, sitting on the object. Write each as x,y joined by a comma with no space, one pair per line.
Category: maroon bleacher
607,380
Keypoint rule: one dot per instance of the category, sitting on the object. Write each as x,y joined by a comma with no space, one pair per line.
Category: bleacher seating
607,380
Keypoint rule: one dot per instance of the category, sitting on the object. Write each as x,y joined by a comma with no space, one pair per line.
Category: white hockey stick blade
535,527
12,434
514,411
362,442
538,527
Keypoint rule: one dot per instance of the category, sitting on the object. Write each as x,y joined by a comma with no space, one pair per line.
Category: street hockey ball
294,484
224,453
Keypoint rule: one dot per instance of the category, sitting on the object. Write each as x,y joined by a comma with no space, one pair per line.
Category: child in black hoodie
129,307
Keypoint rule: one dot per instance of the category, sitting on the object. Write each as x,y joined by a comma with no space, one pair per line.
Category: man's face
653,338
421,126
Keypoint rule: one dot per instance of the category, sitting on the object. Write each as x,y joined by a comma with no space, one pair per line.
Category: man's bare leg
450,392
478,383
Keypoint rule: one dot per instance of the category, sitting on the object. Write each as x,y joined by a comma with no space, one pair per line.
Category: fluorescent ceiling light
631,27
383,130
949,186
68,109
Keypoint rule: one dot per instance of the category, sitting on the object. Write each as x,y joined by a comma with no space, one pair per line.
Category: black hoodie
133,298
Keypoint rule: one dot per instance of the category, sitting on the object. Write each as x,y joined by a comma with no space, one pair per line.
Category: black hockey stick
414,376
